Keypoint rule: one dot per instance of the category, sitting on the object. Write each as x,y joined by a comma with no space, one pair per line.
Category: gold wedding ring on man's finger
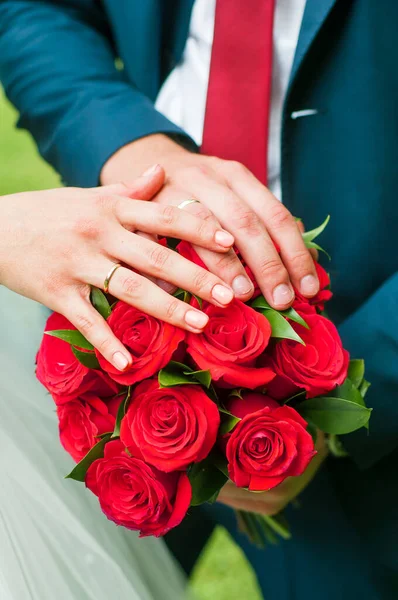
187,202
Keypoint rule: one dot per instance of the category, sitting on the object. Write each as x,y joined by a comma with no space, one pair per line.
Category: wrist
132,160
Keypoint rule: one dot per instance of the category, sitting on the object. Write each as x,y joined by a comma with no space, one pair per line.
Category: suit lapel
316,11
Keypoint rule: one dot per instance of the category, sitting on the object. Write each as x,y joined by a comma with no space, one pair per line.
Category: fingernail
150,171
222,294
120,361
242,285
309,285
224,238
283,294
196,319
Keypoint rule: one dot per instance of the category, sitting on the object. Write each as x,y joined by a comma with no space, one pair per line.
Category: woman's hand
274,501
231,196
55,244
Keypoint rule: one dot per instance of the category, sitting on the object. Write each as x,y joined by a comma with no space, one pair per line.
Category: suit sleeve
57,66
372,333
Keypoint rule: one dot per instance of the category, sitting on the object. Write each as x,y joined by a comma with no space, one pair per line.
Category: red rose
231,345
151,343
185,249
59,370
267,445
170,428
317,367
137,496
81,421
323,296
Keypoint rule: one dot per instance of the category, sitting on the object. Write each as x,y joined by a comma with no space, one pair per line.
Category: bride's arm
55,244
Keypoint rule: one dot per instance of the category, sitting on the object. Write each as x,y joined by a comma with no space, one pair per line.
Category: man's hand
231,196
272,502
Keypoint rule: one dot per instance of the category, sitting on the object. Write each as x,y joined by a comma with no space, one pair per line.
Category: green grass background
222,572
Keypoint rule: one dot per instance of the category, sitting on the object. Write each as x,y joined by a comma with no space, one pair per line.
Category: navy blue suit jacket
57,64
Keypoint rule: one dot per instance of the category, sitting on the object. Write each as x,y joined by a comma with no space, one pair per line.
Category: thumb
141,188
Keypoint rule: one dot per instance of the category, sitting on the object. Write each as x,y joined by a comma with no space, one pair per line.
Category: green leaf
100,302
356,371
309,236
179,293
213,498
347,391
186,296
206,481
228,422
71,336
363,388
334,415
299,396
176,373
236,393
336,447
280,327
290,313
315,246
121,412
312,430
203,377
198,300
88,359
219,460
80,470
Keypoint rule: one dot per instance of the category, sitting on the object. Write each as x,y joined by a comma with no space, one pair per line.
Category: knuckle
192,172
201,280
202,212
172,308
227,262
247,221
280,217
104,202
131,285
159,257
301,261
104,344
168,214
235,168
205,230
87,228
84,323
272,268
84,291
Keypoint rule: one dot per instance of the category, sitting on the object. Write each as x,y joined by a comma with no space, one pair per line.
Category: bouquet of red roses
241,401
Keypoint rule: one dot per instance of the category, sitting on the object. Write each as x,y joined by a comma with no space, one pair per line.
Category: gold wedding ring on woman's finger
187,202
109,276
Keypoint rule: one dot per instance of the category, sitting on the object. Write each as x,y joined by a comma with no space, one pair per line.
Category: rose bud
317,367
81,421
231,345
324,295
269,444
151,343
59,370
170,428
136,495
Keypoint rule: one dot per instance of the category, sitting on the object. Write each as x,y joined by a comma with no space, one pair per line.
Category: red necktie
239,93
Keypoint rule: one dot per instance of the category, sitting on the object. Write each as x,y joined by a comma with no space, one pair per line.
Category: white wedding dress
54,540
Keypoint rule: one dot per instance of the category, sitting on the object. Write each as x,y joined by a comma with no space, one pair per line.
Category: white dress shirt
183,96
